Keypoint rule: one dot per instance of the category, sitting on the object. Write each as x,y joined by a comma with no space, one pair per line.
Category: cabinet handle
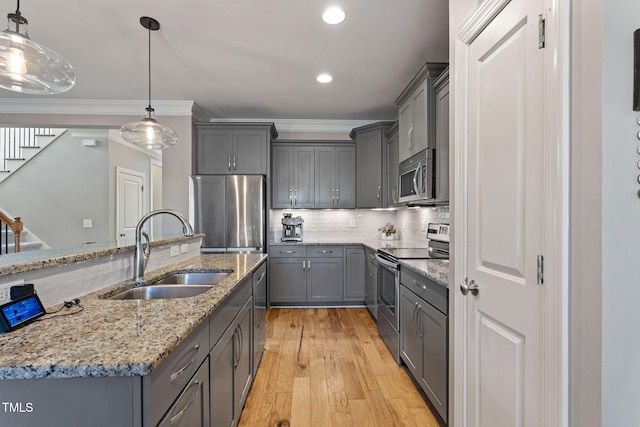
337,196
324,251
287,252
379,193
240,342
414,318
261,277
229,162
235,161
303,265
410,137
309,265
295,197
291,196
235,355
179,372
333,196
420,320
415,283
179,415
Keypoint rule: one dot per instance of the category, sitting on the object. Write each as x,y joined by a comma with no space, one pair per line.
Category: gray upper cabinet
441,86
313,176
335,185
371,177
393,177
223,148
416,112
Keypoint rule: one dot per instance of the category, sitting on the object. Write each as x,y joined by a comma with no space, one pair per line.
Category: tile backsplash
362,224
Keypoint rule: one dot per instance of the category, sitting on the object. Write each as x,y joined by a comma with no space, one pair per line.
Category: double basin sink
176,285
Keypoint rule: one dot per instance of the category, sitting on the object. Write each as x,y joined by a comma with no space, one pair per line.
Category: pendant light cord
149,108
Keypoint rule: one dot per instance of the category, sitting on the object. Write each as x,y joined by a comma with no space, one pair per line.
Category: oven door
388,290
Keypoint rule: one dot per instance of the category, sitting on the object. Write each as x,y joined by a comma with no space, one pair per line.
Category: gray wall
620,217
51,191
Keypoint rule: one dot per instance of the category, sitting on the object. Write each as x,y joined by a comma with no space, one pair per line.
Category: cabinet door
410,331
420,136
369,170
324,279
325,191
259,315
282,177
435,361
192,406
405,126
354,283
250,151
303,176
222,366
287,280
242,359
214,151
393,177
344,177
442,143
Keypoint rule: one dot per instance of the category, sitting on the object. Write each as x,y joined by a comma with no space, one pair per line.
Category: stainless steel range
389,281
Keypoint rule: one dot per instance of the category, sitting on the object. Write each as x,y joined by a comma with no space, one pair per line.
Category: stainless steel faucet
142,251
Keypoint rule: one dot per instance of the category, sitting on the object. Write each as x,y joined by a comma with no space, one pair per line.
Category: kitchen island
100,365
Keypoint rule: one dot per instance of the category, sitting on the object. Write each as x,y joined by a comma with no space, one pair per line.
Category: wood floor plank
329,367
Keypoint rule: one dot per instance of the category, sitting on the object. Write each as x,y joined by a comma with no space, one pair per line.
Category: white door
505,204
129,202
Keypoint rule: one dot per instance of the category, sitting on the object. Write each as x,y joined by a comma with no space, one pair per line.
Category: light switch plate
175,250
352,222
184,248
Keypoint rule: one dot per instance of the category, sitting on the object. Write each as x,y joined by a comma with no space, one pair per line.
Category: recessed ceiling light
324,78
333,15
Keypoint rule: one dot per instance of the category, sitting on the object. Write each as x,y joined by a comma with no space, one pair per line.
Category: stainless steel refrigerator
230,210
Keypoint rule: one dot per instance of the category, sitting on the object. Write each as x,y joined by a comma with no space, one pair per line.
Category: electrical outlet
404,223
352,223
424,225
184,248
87,223
175,250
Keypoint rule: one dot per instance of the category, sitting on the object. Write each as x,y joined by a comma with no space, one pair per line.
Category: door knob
472,287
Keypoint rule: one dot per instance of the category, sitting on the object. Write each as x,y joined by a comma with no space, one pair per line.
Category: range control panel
437,231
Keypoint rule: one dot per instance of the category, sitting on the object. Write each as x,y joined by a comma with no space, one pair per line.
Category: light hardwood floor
328,367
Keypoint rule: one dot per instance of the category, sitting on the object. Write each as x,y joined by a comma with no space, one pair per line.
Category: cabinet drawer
325,251
192,407
425,288
288,251
223,316
176,370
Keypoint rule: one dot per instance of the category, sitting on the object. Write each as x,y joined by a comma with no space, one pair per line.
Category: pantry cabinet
441,87
393,175
416,111
238,148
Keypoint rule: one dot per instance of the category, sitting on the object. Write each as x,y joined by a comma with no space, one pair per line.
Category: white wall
620,218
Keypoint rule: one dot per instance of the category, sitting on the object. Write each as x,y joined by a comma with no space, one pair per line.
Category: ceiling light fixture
333,16
324,78
29,67
148,133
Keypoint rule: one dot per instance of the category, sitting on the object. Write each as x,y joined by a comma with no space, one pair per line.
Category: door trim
556,222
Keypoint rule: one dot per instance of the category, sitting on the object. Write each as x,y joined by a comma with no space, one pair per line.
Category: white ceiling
244,58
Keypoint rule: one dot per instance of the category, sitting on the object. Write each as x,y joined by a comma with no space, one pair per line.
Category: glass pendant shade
148,133
29,67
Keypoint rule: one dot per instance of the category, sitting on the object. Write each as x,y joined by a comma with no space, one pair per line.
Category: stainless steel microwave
416,177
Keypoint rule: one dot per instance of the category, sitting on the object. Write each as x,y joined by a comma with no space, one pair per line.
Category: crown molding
108,107
306,125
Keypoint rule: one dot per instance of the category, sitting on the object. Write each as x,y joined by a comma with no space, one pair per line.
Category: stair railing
12,140
14,225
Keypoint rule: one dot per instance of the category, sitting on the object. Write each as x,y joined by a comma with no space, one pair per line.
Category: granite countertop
118,337
15,263
435,269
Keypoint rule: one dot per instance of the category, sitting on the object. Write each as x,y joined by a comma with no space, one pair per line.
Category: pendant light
148,132
29,67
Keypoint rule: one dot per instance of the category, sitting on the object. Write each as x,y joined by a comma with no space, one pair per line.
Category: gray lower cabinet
239,148
306,274
354,280
192,406
230,362
259,314
371,175
371,282
424,347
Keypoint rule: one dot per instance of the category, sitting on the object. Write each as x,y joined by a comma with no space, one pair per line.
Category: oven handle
386,263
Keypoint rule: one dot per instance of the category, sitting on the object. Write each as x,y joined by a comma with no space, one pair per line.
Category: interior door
505,204
129,200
